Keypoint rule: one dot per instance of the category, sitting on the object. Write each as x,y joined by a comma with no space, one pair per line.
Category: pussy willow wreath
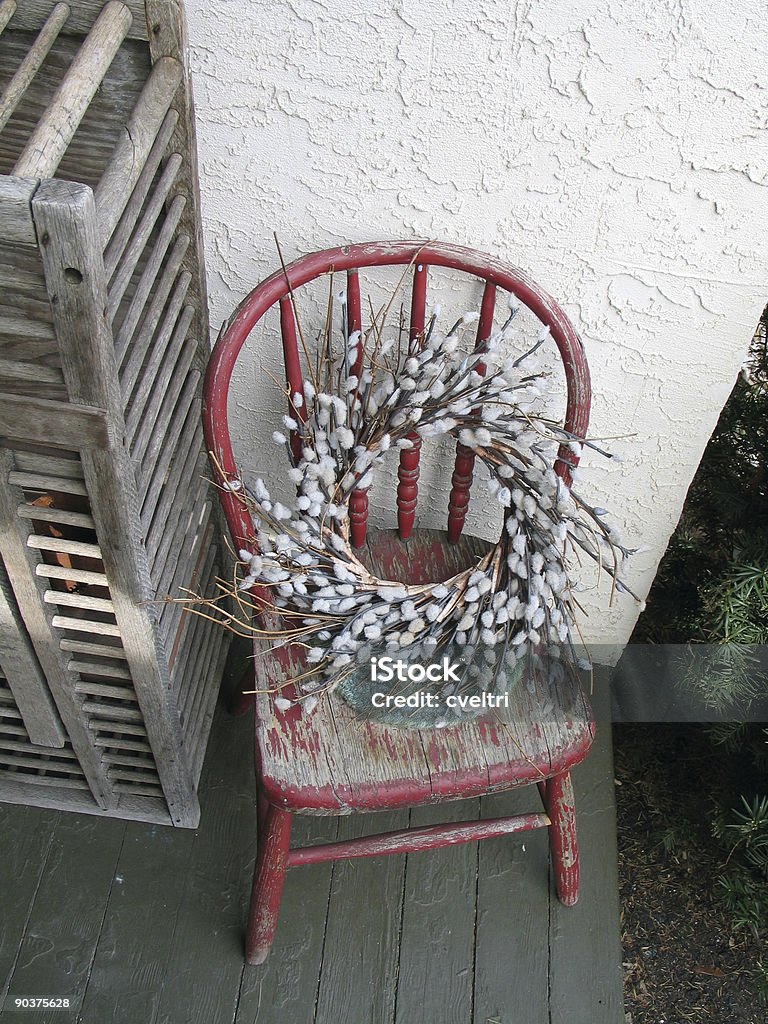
517,602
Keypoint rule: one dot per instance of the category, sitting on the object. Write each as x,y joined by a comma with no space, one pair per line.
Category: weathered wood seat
335,762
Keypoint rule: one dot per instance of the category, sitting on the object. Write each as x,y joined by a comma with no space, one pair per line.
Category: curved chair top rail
379,254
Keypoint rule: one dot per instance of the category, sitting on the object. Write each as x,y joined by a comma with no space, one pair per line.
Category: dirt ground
682,964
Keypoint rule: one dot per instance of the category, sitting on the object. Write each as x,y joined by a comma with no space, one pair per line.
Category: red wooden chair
335,762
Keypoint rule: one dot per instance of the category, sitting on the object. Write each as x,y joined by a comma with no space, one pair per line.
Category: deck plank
134,945
286,985
58,947
438,929
358,982
512,946
585,981
205,963
26,834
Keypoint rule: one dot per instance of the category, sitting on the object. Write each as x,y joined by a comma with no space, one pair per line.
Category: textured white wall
616,150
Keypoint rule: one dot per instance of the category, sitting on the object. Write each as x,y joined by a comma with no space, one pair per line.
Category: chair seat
334,761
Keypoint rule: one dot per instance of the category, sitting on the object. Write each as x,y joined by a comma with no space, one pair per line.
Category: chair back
281,288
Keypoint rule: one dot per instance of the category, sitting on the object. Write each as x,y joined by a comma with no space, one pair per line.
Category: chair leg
268,879
563,845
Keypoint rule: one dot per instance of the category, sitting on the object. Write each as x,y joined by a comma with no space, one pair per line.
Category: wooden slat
113,253
188,462
112,713
63,795
135,144
23,674
26,329
96,650
59,424
7,10
58,757
66,600
86,625
130,256
169,39
16,223
92,689
95,668
53,463
33,13
123,744
161,400
151,270
184,424
140,342
69,547
152,363
29,67
67,214
176,531
212,679
189,572
61,517
53,134
43,482
61,572
20,561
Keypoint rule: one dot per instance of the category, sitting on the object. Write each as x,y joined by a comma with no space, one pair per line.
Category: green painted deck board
358,981
145,923
288,982
438,927
512,951
57,951
25,837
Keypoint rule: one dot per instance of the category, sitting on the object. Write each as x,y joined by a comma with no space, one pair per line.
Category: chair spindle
408,471
292,369
358,500
461,481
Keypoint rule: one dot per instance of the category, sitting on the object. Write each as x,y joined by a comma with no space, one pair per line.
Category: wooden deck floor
142,924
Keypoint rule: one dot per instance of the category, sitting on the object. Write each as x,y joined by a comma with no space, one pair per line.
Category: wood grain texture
16,223
58,424
585,980
23,674
59,943
49,141
358,983
203,976
168,38
287,983
32,14
25,839
132,249
512,944
7,11
65,217
438,930
132,959
29,67
135,143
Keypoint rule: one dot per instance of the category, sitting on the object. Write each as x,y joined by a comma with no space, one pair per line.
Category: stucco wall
616,150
